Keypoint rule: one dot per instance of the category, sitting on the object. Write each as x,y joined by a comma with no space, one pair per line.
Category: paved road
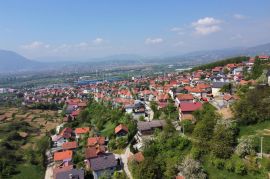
150,111
49,172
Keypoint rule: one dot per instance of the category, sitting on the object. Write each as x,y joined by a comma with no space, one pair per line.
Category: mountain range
13,62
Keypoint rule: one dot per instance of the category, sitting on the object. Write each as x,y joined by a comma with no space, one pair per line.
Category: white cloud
239,16
206,26
98,41
178,30
180,43
82,45
150,41
35,45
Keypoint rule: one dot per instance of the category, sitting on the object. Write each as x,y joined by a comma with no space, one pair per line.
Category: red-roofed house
180,177
183,98
69,145
187,108
80,131
92,152
121,130
92,141
66,133
63,156
264,57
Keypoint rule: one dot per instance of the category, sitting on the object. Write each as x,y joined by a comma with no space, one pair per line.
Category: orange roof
82,104
82,130
96,140
184,97
203,86
69,145
63,155
120,127
179,177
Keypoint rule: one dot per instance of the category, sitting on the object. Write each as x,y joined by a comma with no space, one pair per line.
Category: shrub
196,153
218,163
240,167
229,165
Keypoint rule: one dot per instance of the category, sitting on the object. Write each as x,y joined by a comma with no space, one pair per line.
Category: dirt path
124,158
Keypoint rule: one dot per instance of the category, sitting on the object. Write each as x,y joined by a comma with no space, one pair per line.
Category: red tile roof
179,177
96,140
69,145
184,97
63,155
92,152
82,130
189,107
119,128
66,133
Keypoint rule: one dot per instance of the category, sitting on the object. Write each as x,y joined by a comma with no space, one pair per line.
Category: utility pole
183,129
261,147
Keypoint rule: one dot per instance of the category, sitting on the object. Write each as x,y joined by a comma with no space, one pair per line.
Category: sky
82,29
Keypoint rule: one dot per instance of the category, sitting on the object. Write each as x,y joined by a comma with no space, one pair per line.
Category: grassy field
254,129
28,171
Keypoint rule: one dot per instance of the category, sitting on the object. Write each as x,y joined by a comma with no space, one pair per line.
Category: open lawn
27,171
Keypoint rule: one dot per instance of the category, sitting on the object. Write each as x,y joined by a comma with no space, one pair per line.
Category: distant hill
11,61
213,55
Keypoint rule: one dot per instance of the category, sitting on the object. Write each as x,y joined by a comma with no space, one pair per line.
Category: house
66,133
216,87
139,107
187,108
121,130
148,127
264,57
103,164
93,141
80,131
58,140
217,70
183,98
180,177
64,156
69,145
93,152
68,172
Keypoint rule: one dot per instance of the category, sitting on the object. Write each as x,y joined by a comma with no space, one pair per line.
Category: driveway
124,158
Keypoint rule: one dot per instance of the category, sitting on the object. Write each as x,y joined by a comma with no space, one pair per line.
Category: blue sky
68,29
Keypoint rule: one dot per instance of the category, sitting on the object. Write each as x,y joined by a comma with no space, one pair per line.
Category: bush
218,163
196,153
240,167
229,165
